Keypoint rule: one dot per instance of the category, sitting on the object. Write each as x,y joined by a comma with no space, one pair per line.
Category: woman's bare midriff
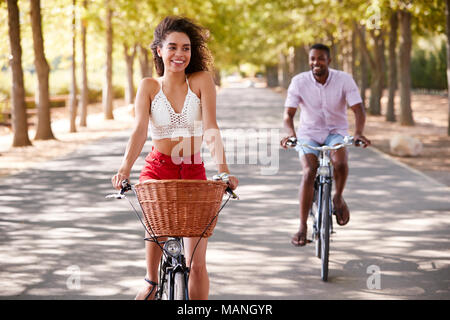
181,146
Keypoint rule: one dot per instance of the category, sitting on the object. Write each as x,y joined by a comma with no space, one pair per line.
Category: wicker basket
180,208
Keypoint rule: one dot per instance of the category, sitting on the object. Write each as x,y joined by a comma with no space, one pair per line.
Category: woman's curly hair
201,59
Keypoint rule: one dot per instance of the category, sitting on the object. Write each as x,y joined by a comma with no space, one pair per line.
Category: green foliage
241,31
428,68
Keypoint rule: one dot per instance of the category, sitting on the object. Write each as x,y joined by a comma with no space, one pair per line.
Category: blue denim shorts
331,140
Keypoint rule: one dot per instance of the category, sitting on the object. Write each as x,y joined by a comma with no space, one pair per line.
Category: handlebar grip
359,143
224,178
291,142
126,186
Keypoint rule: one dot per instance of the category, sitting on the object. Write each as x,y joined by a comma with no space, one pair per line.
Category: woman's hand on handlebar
233,182
118,178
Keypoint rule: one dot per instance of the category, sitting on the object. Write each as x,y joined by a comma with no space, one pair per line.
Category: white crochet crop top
166,123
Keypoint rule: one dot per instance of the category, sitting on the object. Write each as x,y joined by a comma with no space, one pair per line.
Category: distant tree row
372,40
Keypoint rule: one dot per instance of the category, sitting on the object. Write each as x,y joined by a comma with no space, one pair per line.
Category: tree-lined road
57,228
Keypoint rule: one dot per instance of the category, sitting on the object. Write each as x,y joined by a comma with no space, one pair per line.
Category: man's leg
309,164
339,159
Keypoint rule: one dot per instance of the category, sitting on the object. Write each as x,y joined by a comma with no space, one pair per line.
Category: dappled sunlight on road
55,219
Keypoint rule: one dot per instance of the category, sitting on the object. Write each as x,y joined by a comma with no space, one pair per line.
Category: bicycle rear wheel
325,231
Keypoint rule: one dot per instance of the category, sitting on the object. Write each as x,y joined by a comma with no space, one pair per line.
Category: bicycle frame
323,225
322,178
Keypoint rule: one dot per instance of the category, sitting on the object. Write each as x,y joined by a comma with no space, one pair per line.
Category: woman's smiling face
175,52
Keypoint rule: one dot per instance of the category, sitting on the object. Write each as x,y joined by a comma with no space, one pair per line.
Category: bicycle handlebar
126,186
348,140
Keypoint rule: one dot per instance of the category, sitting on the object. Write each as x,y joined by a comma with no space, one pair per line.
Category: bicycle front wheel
325,231
316,225
179,286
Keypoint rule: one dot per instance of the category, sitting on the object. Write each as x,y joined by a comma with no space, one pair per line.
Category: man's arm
288,122
360,120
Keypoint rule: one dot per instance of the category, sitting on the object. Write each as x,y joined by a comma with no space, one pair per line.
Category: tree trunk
129,60
354,54
378,71
84,100
406,115
447,15
335,63
392,71
377,68
145,64
375,95
346,52
44,129
300,59
217,77
285,75
19,112
107,96
272,76
73,87
364,69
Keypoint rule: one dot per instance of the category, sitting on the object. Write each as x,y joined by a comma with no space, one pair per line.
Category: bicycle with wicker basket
171,210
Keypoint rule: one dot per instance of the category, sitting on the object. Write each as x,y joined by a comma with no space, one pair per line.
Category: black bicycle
321,211
173,271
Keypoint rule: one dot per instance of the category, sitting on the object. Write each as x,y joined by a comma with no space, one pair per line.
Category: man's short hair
320,46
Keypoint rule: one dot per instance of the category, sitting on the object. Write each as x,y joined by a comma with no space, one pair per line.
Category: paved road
59,237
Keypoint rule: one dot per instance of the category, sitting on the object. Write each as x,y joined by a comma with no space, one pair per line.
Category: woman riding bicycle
181,106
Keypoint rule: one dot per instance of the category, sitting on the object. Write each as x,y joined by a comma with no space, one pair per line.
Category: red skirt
160,166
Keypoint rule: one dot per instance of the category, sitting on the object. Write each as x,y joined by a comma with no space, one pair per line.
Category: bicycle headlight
173,247
323,171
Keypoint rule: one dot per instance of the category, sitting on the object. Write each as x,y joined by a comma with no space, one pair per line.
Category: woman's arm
211,131
139,134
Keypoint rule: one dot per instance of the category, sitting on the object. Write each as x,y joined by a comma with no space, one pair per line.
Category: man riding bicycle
323,94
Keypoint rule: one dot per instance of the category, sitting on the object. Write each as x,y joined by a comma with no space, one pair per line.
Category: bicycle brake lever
232,194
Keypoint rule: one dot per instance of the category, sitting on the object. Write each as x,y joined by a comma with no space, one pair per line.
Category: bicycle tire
325,231
179,286
163,281
316,225
315,212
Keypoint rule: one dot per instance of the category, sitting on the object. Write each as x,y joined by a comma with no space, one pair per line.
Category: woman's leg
198,276
157,167
152,257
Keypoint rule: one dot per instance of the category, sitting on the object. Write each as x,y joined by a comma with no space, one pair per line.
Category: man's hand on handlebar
284,141
360,140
